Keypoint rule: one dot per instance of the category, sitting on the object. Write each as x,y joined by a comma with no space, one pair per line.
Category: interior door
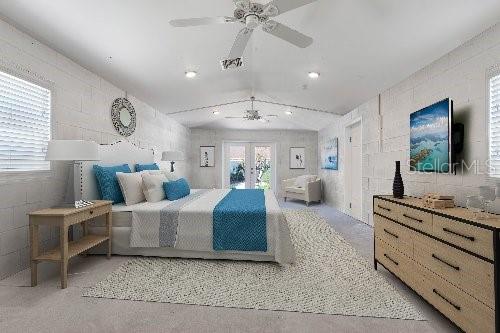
354,171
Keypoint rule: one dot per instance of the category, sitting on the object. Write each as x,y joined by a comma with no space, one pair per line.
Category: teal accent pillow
107,183
144,167
176,189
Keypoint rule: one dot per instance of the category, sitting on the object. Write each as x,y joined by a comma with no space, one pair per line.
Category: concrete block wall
81,110
212,177
460,75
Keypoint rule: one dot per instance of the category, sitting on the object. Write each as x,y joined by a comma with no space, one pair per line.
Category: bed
187,228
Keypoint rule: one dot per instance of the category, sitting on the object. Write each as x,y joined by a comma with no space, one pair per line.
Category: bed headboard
120,152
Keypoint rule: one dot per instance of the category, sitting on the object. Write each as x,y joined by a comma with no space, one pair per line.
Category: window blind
24,124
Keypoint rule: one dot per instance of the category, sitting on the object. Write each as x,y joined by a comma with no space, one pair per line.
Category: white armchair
306,188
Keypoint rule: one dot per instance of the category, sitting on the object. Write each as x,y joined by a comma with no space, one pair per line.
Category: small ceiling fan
252,15
254,114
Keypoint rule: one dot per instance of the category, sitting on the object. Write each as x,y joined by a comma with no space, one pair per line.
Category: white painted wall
212,177
82,102
460,75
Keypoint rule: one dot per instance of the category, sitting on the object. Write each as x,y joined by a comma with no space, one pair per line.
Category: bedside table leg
34,254
108,228
64,256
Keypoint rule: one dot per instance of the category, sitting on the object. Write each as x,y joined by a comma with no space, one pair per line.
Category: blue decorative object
239,222
330,154
107,183
144,167
176,189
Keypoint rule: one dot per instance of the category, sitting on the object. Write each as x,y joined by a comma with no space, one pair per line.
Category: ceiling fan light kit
252,15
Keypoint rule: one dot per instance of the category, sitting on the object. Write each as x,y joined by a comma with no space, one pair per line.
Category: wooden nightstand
64,218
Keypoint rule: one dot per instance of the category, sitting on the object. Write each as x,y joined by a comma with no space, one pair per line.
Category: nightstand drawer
469,273
466,236
468,313
88,214
395,235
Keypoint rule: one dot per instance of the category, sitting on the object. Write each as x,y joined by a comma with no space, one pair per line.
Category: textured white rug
329,277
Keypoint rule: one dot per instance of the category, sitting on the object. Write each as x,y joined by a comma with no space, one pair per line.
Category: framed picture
207,156
297,158
330,154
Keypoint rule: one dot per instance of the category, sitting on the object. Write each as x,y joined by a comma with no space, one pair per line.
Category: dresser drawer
416,219
468,313
395,235
466,236
386,208
394,261
471,274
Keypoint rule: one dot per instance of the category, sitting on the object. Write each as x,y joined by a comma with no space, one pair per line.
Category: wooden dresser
447,256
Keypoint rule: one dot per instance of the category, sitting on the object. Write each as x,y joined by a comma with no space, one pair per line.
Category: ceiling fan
252,15
253,114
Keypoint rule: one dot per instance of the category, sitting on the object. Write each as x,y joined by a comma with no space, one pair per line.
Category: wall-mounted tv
431,138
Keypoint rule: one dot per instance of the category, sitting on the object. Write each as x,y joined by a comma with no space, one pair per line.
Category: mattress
197,238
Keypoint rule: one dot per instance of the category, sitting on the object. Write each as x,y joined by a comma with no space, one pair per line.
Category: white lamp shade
172,156
72,150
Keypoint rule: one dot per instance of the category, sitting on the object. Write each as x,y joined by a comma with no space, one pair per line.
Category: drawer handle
384,208
393,261
458,234
445,262
446,299
412,218
390,233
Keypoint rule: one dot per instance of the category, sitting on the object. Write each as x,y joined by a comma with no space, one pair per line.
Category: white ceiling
361,47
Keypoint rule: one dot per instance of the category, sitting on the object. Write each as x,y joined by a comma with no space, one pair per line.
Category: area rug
329,277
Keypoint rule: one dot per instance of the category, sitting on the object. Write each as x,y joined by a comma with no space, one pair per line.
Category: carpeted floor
329,277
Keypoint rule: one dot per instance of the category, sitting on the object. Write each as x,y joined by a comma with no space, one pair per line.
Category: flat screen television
431,138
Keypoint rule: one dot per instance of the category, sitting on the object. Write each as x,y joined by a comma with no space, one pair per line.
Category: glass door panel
261,158
237,165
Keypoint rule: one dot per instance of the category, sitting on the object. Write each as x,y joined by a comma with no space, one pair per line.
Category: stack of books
438,201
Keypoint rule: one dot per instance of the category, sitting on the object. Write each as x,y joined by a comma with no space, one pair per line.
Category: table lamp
172,156
76,151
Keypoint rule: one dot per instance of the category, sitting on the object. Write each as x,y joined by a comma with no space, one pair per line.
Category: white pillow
152,186
302,181
131,186
170,175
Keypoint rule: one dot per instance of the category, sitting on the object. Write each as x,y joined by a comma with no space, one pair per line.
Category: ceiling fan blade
284,6
288,34
240,43
192,22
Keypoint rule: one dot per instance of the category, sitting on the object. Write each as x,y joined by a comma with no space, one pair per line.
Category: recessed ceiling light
191,74
216,112
313,75
288,113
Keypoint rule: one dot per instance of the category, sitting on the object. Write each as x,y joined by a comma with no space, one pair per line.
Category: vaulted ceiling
361,47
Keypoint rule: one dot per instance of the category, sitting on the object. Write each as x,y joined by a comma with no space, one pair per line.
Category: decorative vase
398,188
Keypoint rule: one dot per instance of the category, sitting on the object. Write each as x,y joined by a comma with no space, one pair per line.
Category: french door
249,165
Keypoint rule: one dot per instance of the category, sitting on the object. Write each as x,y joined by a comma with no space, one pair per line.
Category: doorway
353,168
249,165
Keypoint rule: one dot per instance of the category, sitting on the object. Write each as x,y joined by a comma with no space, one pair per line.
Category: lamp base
172,166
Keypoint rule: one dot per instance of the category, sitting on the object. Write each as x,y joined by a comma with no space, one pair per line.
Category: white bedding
194,231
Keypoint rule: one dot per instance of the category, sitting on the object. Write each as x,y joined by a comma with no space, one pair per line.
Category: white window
24,124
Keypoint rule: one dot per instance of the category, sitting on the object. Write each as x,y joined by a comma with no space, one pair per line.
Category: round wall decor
123,116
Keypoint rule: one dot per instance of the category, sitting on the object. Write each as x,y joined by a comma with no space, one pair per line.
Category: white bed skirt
121,246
